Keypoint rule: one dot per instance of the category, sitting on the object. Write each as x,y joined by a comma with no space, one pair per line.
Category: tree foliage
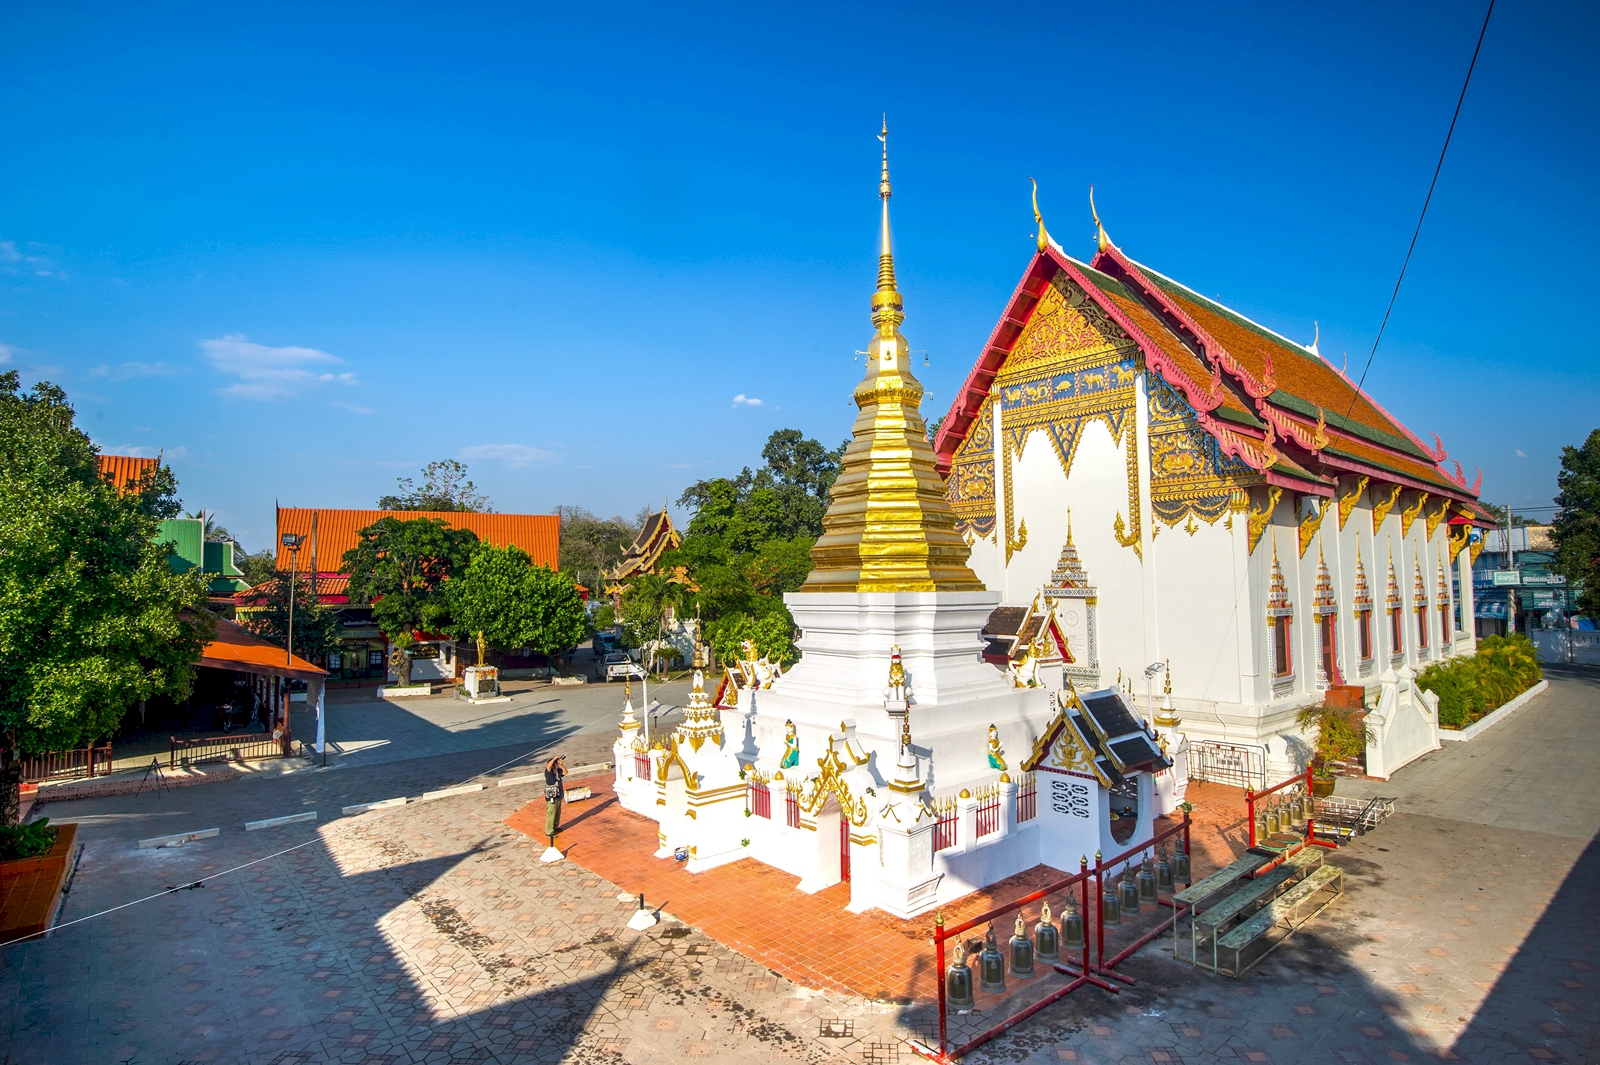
591,545
257,568
1576,529
444,487
503,597
401,565
317,629
748,542
92,618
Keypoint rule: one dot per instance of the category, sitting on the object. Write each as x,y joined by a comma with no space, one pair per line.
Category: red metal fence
759,802
988,811
1081,915
1027,799
791,804
222,749
641,765
947,829
67,765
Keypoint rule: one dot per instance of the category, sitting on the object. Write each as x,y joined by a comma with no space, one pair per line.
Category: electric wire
168,891
1426,201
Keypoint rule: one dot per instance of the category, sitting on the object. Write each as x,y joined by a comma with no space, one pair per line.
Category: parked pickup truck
620,667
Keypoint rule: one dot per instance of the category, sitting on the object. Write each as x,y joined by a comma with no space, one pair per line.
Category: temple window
1397,636
1282,649
1364,635
1123,809
1444,625
1422,628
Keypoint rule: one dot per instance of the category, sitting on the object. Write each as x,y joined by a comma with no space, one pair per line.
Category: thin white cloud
9,252
353,408
5,353
514,455
268,373
748,401
144,451
1521,454
128,370
11,256
676,465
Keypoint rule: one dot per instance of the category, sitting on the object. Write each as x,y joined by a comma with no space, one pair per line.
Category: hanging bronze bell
1163,874
1110,908
1046,940
1021,951
1130,894
958,983
1072,928
991,967
1261,825
1147,885
1308,805
1180,868
1272,821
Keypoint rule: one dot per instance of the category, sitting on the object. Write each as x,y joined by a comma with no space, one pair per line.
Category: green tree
92,619
1576,529
317,629
259,567
502,600
444,487
590,546
400,567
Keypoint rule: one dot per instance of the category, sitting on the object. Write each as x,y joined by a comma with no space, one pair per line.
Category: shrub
1342,735
27,841
1468,688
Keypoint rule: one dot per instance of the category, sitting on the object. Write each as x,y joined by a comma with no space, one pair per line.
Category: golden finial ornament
889,527
1044,237
1101,240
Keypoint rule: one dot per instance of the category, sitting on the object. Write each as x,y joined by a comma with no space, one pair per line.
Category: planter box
1493,718
30,888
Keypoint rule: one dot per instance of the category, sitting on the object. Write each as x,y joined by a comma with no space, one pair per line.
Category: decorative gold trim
1132,537
1381,507
1347,502
1260,519
831,782
1044,238
1311,523
1459,542
1409,514
1435,518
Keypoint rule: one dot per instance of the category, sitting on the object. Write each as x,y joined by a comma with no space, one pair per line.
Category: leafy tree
259,567
771,632
933,428
1576,529
317,629
444,487
400,566
502,600
92,619
590,545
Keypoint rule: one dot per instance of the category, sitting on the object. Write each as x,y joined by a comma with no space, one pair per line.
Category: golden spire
1044,237
1101,240
889,527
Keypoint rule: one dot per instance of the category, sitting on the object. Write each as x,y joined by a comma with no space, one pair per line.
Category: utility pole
1511,564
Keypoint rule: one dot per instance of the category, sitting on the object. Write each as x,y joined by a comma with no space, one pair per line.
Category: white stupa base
643,919
551,855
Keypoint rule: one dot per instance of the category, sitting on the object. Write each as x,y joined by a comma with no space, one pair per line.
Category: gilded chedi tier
889,527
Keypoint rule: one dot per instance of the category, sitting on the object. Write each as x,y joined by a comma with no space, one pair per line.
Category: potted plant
1341,735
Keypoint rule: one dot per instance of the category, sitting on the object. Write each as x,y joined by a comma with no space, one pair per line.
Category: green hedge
1468,688
26,841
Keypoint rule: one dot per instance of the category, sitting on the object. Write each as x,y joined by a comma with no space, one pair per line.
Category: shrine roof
338,530
1005,621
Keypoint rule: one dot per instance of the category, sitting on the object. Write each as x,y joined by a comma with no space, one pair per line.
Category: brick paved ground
430,933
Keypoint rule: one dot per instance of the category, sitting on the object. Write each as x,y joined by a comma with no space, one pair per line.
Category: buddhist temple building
1232,498
655,539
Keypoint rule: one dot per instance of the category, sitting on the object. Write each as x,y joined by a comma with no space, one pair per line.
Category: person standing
555,770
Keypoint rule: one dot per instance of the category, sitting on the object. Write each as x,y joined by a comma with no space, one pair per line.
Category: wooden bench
1220,879
1264,888
1287,910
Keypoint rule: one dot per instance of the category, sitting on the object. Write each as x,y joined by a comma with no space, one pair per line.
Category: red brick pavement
811,939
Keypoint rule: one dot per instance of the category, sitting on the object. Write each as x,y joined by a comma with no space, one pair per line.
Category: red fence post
938,941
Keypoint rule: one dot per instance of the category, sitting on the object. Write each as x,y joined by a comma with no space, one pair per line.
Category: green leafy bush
27,841
1468,688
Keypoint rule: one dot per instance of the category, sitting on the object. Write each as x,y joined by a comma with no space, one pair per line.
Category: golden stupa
889,527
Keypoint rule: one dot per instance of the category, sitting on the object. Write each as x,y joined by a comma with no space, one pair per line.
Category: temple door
1330,649
844,849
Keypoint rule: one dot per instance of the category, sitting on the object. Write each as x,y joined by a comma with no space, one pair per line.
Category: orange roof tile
237,648
337,531
125,471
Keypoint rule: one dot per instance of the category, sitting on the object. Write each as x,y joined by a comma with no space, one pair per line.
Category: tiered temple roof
654,540
1275,405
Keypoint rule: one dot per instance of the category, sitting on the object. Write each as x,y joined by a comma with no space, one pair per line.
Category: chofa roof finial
1101,240
1044,236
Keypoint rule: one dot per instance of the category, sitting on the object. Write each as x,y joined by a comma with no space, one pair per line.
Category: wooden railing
67,765
239,748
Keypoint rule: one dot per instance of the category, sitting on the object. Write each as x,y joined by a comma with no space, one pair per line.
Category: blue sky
305,249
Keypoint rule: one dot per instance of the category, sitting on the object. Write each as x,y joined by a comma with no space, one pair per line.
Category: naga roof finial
1044,236
1101,240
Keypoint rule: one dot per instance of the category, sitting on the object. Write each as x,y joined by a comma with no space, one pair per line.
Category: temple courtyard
431,932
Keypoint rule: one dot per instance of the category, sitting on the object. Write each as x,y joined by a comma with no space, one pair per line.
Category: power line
1426,201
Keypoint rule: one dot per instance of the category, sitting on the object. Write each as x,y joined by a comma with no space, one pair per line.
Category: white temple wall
1201,594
